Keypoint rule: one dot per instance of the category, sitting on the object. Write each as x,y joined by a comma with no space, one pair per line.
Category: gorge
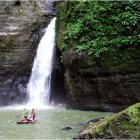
106,84
95,66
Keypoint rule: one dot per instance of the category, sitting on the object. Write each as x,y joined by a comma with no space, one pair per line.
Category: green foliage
123,58
99,26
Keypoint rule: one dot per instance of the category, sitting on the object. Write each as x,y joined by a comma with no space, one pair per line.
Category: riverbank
123,125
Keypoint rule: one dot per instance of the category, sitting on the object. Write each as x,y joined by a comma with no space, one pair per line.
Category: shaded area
58,95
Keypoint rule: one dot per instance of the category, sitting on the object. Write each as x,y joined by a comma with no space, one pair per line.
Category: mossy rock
85,26
123,125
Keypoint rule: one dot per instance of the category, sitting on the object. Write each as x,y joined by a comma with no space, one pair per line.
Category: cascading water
38,88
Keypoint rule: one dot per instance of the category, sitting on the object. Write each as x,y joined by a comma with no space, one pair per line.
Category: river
49,123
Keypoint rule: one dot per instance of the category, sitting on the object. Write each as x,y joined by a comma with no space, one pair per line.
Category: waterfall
38,87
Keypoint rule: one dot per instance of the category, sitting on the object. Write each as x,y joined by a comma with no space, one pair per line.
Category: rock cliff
109,82
21,24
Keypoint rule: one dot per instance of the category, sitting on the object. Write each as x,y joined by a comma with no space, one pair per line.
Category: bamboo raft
26,122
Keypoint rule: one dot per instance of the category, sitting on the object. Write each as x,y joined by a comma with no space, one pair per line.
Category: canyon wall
21,27
108,79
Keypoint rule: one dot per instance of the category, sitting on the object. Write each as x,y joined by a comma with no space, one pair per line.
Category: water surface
49,125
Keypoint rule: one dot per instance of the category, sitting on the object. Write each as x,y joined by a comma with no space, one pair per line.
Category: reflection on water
49,125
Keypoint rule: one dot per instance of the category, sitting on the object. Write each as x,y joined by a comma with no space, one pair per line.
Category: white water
38,88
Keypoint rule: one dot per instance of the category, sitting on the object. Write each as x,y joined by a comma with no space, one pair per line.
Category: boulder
123,125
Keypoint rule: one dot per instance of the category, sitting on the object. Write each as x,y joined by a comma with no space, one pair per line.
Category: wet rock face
97,88
21,24
95,79
13,90
58,95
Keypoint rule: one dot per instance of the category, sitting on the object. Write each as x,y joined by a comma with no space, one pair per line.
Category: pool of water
49,123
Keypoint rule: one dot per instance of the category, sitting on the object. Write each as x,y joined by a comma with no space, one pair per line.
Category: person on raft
25,117
32,116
